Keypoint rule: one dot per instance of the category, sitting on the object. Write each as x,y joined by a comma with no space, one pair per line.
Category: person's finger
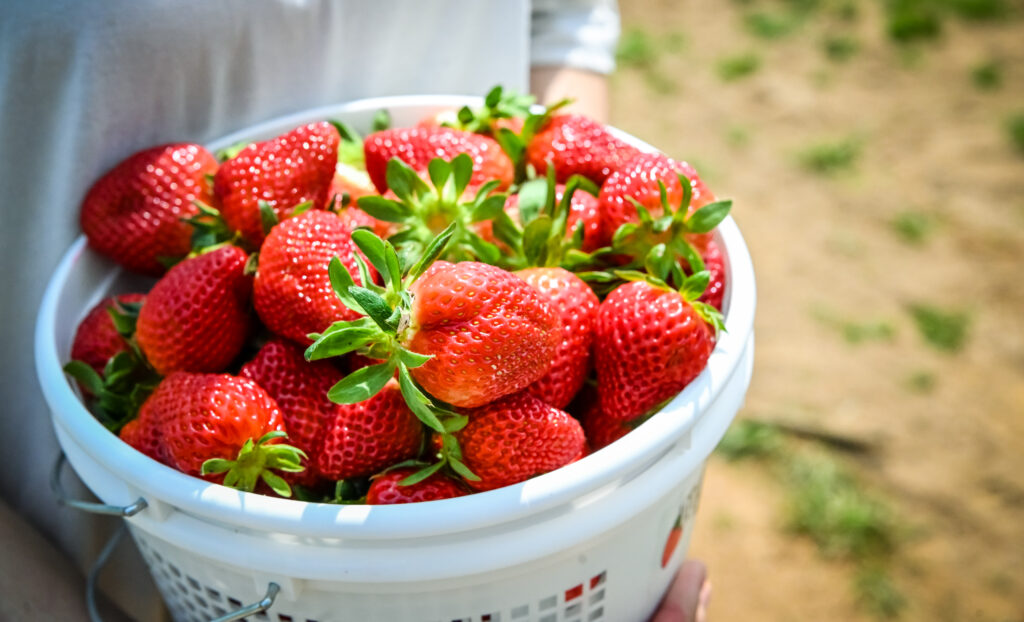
683,600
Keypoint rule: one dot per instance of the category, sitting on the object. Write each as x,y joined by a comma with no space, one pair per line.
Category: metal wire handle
257,607
86,506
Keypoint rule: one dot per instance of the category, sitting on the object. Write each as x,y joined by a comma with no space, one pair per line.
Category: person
83,85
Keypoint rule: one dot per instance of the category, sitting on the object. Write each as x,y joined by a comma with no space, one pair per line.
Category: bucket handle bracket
87,506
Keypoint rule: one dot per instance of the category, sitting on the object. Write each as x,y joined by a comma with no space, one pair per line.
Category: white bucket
582,543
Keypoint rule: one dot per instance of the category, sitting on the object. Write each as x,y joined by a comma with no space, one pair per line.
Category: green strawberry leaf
381,120
341,281
374,305
708,217
694,285
276,484
361,384
422,474
86,375
432,252
462,172
343,341
489,208
418,402
376,252
268,217
301,208
412,359
512,144
384,209
532,199
460,467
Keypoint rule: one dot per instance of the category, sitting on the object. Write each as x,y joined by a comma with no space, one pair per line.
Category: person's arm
36,581
572,50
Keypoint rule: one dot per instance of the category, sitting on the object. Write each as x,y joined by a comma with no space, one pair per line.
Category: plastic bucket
590,541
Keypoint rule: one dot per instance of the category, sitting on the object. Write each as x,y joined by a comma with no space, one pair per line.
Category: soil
945,428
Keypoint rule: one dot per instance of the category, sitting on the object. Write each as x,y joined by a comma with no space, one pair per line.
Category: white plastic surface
489,554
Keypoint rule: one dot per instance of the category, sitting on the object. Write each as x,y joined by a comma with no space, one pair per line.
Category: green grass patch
827,504
749,439
737,136
980,10
738,66
636,49
840,48
832,156
877,593
1015,131
987,76
770,25
913,227
913,20
921,381
942,329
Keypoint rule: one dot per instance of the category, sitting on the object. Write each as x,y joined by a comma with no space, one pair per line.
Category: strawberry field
875,154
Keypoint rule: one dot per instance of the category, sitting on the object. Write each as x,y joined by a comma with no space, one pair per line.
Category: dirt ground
945,428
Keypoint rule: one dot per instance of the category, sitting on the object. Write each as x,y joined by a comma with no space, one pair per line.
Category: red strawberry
293,168
142,434
516,438
351,181
203,417
96,339
576,306
385,488
133,214
369,436
300,390
292,292
490,334
600,430
576,144
715,264
648,345
196,318
638,179
417,146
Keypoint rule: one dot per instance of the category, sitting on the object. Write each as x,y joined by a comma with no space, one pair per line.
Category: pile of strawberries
432,311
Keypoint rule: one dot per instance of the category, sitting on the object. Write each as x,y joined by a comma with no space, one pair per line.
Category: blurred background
875,152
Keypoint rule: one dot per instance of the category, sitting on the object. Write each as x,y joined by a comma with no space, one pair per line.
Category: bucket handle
86,506
257,607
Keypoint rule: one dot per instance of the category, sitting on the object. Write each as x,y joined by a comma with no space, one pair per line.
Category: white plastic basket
583,543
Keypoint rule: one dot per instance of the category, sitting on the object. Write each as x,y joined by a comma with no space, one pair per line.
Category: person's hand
687,598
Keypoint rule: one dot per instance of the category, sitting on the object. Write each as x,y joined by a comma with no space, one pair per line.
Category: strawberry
97,339
715,264
649,343
576,305
134,213
142,434
601,431
283,172
216,423
292,290
638,180
369,436
576,144
386,489
300,390
487,332
417,146
197,318
515,438
584,210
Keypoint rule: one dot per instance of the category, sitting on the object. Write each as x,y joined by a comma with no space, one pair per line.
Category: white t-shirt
85,84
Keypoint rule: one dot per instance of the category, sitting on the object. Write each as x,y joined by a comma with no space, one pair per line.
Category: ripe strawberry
488,332
576,144
715,264
300,390
369,436
385,488
351,181
133,213
576,305
292,291
649,344
516,438
217,423
417,146
142,434
638,179
196,318
293,168
97,339
600,430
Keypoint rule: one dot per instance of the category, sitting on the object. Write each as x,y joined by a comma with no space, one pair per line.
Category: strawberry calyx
127,379
383,329
256,461
425,210
514,144
541,237
350,149
498,104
